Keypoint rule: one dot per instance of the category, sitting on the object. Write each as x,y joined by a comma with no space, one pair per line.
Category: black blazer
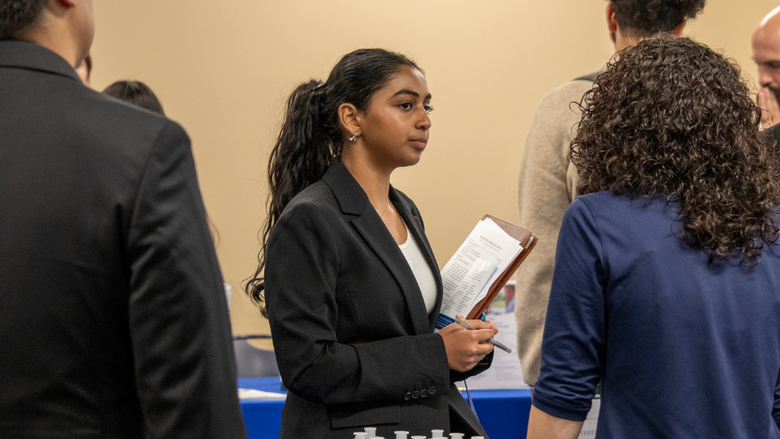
354,344
113,321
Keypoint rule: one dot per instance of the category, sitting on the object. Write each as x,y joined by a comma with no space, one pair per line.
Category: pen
492,340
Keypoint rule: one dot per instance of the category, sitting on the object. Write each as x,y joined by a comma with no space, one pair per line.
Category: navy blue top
683,349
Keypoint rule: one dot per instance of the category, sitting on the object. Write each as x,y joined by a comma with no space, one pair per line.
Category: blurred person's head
136,93
84,70
766,51
631,20
65,27
670,117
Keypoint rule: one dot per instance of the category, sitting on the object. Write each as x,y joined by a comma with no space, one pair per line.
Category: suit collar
353,200
415,226
31,56
349,194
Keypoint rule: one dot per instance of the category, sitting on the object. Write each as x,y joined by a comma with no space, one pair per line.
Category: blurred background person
667,278
136,93
766,54
548,180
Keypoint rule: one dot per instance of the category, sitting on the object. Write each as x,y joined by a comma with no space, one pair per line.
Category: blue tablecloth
503,413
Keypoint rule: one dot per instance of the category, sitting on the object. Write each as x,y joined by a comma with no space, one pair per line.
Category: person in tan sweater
548,180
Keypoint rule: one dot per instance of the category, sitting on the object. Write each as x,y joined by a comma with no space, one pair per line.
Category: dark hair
311,134
15,15
642,18
136,93
670,116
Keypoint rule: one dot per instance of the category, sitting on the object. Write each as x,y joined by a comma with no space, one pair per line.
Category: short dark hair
16,15
673,118
136,93
641,18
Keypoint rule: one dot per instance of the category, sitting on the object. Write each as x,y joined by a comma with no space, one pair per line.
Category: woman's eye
406,106
428,108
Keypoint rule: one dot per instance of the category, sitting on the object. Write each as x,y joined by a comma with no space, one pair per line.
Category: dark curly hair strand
670,116
642,18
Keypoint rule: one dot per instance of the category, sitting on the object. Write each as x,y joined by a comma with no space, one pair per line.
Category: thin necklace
384,211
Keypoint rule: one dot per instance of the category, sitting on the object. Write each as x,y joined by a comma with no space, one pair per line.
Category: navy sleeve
574,334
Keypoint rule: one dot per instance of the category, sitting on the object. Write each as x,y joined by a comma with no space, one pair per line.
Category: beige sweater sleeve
547,185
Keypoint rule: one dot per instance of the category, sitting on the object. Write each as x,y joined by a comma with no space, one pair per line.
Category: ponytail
303,149
301,155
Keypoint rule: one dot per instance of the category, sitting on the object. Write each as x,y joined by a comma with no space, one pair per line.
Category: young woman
351,287
667,276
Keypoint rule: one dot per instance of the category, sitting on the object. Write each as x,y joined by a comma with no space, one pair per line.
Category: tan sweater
547,185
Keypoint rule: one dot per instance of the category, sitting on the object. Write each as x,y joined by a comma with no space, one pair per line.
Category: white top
422,272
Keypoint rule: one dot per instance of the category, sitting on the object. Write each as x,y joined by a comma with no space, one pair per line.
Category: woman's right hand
465,348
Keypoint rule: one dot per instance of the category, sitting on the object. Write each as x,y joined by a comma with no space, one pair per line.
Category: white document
259,394
479,261
590,424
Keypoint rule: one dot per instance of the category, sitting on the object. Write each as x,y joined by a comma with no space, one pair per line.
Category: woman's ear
349,117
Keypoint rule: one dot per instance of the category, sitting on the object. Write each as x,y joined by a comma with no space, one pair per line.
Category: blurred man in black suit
112,319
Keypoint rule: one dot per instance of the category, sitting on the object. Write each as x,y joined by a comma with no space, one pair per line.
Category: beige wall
224,68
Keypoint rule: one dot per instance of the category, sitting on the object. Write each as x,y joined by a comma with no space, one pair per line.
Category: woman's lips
420,143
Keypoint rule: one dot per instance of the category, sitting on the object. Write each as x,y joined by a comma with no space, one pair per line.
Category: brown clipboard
528,241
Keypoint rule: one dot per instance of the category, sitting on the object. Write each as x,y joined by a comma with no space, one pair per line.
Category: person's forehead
766,45
407,77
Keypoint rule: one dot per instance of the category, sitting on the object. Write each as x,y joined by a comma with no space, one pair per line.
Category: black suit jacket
113,323
353,341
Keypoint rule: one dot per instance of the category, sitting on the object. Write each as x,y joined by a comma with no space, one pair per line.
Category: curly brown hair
671,116
639,18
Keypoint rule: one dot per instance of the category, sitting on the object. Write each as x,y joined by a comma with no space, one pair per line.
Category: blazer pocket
358,415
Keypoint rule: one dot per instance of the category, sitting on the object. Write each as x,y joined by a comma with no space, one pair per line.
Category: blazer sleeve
184,364
304,293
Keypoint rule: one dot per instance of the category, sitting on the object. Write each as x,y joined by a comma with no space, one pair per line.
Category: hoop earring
353,138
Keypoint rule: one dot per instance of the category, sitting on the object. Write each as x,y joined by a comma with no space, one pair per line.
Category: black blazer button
407,396
424,393
416,394
432,390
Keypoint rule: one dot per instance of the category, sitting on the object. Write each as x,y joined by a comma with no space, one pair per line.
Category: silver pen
492,340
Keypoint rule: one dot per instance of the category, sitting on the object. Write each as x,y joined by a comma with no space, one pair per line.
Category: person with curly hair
548,180
667,282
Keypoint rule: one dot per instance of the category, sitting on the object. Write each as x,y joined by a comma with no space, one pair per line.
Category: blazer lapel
415,226
354,201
